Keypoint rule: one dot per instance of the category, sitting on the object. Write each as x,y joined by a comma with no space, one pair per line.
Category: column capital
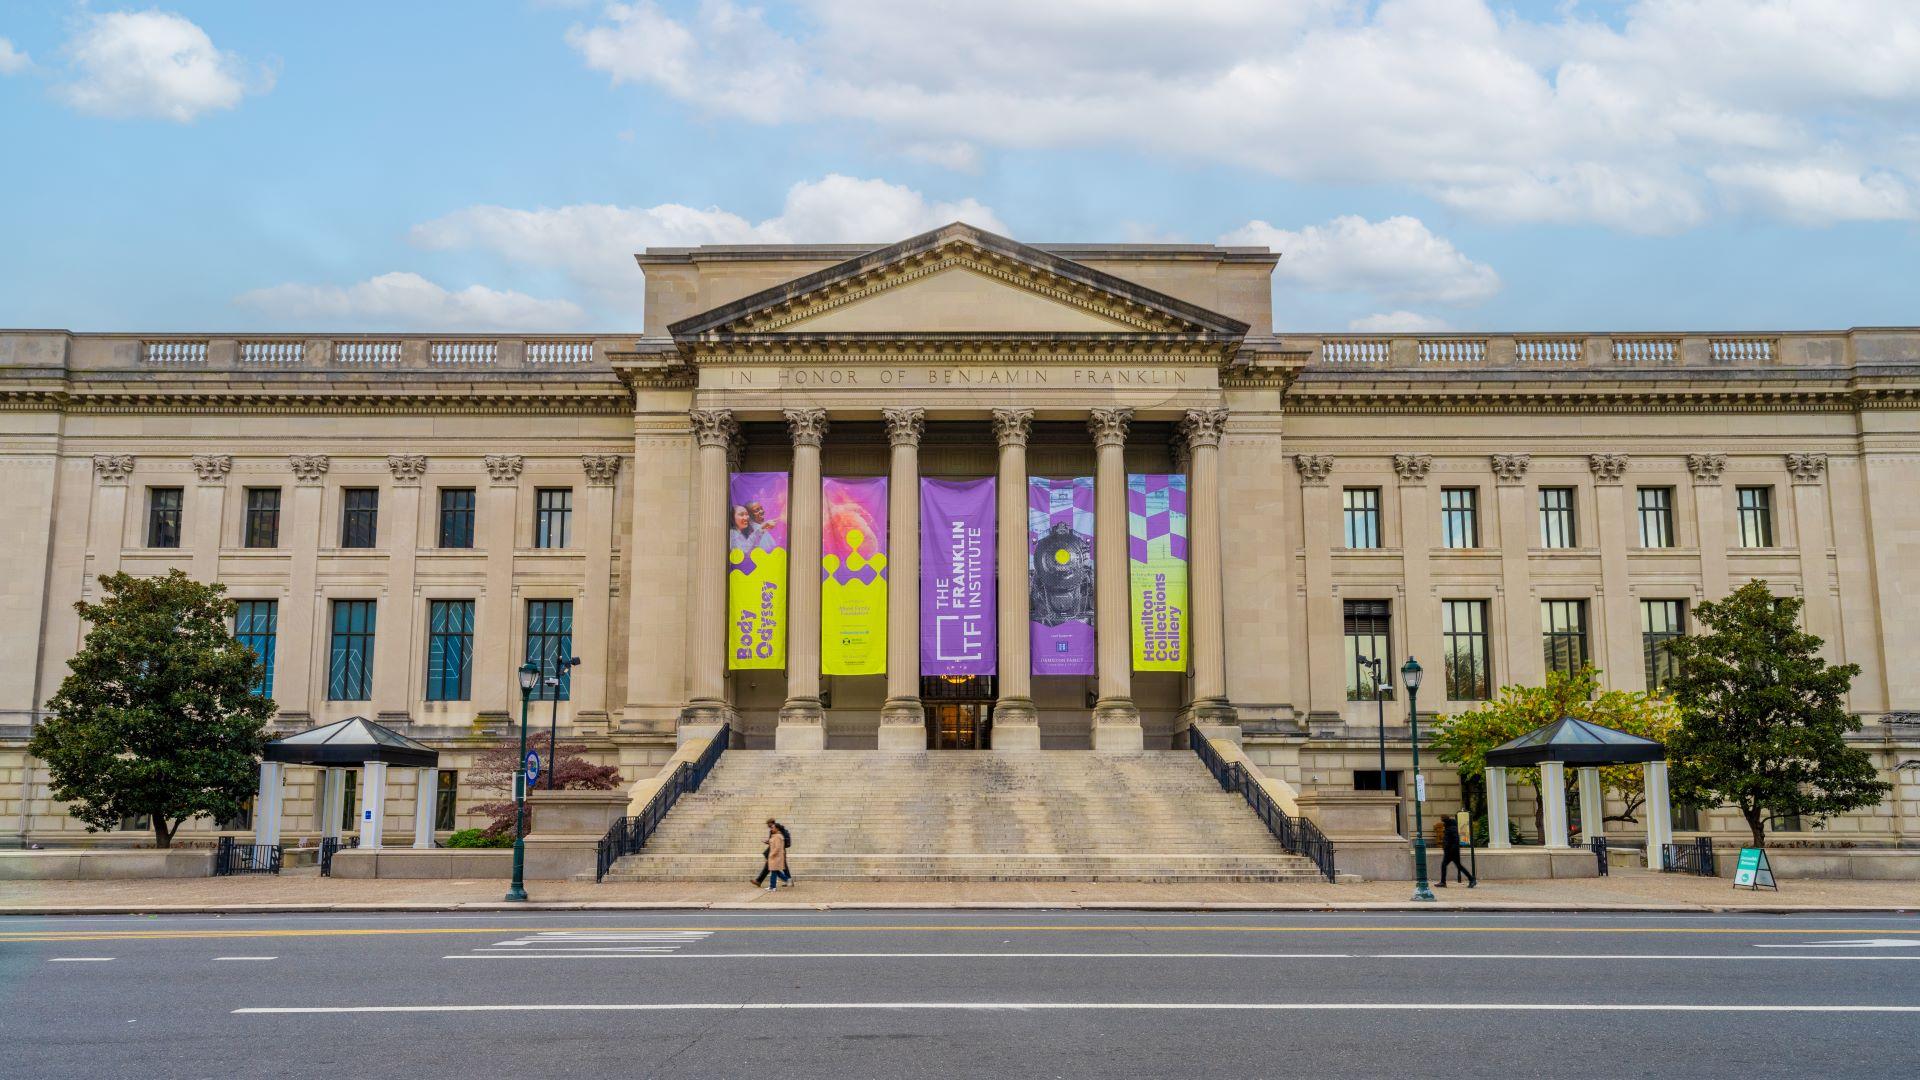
1807,468
1012,426
1204,427
602,469
1313,468
113,468
213,468
905,426
504,468
1412,468
713,427
1706,468
308,468
407,468
807,427
1109,426
1511,468
1607,468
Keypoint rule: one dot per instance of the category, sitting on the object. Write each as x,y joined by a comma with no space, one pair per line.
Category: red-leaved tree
571,768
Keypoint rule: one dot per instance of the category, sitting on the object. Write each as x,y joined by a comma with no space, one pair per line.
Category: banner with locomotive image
1157,570
1060,575
958,604
853,575
757,570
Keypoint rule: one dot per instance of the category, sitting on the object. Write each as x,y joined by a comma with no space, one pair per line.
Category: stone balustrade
1765,354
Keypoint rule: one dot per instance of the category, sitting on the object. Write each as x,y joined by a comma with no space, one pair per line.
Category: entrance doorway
959,711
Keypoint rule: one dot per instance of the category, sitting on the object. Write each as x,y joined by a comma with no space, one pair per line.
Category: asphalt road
959,993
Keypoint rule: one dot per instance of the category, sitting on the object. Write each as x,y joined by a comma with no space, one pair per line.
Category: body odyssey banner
1060,575
1157,570
853,576
757,570
957,599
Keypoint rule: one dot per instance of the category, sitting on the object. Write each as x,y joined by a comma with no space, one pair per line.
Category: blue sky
1420,164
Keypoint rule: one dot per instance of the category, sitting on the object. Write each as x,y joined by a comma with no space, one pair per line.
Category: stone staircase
961,816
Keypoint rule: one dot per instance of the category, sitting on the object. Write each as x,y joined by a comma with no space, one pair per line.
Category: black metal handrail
328,846
1297,835
1599,847
630,834
1694,858
230,857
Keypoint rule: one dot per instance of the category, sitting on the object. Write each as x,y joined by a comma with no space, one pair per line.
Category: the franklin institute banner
1157,570
757,570
957,600
853,576
1060,580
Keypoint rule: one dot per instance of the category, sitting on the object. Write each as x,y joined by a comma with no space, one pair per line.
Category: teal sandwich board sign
1753,870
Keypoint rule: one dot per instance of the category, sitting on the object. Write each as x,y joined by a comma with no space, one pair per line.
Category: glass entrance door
955,726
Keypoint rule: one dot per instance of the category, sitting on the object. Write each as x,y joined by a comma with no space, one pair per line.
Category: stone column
427,787
903,721
1659,811
1553,804
300,663
1497,807
496,530
707,708
373,803
1016,723
1116,719
1811,539
1710,518
1519,524
591,630
268,802
1418,617
802,724
107,537
1614,631
1203,429
1327,684
1593,806
394,688
209,507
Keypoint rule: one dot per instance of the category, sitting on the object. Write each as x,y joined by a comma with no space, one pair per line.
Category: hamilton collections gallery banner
853,576
1060,580
1157,570
957,599
757,570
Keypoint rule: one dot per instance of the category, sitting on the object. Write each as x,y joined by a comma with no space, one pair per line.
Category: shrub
478,838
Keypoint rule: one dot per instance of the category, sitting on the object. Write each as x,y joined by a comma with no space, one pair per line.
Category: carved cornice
905,426
1511,468
1204,427
1011,427
1706,468
1807,468
1313,468
309,468
1329,398
212,468
113,468
602,469
268,400
806,427
1109,426
1412,468
504,468
713,427
1085,350
1607,468
407,468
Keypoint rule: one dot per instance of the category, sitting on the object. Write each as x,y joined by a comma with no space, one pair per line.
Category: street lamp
1410,678
553,730
1381,688
529,677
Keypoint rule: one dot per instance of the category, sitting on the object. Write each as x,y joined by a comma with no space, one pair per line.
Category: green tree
157,716
1463,739
1764,718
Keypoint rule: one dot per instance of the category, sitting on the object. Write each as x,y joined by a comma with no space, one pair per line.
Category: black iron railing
1599,846
1297,835
232,858
328,846
1694,858
630,834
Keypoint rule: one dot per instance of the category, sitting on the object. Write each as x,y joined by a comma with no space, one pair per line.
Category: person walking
1450,854
761,879
776,857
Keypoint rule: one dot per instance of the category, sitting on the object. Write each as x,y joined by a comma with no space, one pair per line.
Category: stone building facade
407,518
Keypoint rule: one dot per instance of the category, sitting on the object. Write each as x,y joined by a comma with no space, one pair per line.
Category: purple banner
957,600
1060,575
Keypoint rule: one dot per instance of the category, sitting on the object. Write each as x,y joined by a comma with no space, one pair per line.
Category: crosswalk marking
552,944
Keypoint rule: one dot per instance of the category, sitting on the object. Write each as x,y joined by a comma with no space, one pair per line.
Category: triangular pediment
957,280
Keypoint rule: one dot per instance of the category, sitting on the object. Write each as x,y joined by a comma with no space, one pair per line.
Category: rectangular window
1556,518
136,823
1660,622
1368,623
1656,517
262,526
1363,517
1686,818
1459,517
549,640
1463,633
456,517
1756,517
350,659
449,650
350,803
360,517
446,799
1787,823
1371,780
553,518
256,623
1563,628
163,517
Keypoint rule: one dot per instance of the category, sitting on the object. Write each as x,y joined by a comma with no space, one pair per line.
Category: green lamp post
529,678
1410,678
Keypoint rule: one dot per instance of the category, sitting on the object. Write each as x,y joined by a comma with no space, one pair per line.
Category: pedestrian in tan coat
776,858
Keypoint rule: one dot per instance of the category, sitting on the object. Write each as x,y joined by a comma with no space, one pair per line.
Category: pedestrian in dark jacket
1450,854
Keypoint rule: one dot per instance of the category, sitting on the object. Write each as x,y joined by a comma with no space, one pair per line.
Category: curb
1509,907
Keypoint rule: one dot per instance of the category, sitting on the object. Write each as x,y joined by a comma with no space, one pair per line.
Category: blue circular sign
533,767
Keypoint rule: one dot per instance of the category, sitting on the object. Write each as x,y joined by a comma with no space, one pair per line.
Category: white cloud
1811,193
1399,260
594,244
1631,123
401,301
153,64
1399,322
12,60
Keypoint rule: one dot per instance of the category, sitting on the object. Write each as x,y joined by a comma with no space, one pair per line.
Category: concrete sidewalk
304,890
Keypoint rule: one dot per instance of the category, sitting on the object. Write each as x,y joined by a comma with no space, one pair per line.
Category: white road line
1865,943
78,959
1489,1008
630,950
616,954
246,958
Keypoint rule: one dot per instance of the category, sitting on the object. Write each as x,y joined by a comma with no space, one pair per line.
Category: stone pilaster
496,684
300,664
802,725
1326,685
1116,719
713,430
593,626
393,684
1710,520
1203,430
1016,723
1812,538
1614,630
903,720
209,509
1517,516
